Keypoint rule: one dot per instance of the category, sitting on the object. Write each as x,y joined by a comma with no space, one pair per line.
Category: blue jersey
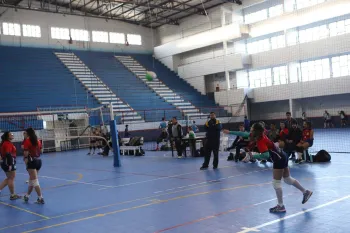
194,128
163,125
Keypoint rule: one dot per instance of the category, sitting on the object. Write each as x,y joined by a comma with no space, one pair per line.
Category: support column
291,106
224,43
228,83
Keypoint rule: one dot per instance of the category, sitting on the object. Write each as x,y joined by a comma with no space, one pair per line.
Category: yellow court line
144,205
18,208
121,203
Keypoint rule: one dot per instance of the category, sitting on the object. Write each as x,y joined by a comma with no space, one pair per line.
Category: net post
111,111
115,143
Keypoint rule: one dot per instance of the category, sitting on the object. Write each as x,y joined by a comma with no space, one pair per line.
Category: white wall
48,20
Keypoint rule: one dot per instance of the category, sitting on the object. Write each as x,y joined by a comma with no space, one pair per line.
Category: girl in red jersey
283,132
267,149
32,151
306,142
8,164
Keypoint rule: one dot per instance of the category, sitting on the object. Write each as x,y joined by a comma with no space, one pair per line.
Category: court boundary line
256,228
131,201
144,205
24,210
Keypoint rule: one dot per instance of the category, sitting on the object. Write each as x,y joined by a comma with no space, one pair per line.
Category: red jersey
264,144
34,151
306,134
8,147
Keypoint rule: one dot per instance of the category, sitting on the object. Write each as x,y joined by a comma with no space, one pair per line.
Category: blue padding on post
115,144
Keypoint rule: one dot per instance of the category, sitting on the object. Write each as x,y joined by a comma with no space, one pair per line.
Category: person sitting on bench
238,144
306,142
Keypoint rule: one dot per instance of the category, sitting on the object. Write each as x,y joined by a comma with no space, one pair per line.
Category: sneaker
40,201
14,197
298,161
278,209
306,196
179,157
27,181
89,153
215,167
203,168
26,198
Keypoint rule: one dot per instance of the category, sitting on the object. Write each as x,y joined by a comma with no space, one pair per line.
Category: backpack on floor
322,156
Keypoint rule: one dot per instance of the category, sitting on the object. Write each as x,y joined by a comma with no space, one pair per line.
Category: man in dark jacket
213,128
177,134
293,138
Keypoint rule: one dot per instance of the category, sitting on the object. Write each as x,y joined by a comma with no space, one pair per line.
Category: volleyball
150,75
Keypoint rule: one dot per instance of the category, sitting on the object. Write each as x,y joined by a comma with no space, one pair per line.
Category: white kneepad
34,183
289,180
276,184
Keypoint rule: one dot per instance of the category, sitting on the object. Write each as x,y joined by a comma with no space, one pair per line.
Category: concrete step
175,100
172,97
193,110
104,95
186,107
182,104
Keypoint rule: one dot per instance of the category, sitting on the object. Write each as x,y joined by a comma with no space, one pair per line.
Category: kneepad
276,184
34,183
289,180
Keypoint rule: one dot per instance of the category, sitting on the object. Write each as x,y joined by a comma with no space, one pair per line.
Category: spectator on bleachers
163,124
289,120
327,120
177,134
283,131
306,141
238,144
273,133
303,117
246,124
343,118
293,138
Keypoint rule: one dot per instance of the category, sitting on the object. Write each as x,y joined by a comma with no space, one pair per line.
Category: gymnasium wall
48,20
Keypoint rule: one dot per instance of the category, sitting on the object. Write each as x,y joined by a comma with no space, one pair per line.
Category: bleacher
127,86
34,77
178,85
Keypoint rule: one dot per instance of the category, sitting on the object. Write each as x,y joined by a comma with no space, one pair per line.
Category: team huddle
31,155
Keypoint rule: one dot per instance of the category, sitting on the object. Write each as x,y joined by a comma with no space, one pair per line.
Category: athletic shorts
310,141
5,167
34,163
92,141
280,163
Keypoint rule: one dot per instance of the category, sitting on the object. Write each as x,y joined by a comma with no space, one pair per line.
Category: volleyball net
58,127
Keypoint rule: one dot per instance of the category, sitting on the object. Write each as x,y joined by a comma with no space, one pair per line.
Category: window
315,70
60,33
242,79
278,42
260,78
255,17
31,30
258,46
134,39
276,10
79,35
341,66
339,28
11,29
99,36
307,3
312,34
292,37
280,75
117,38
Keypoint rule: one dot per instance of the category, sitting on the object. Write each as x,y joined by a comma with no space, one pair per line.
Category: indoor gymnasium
179,116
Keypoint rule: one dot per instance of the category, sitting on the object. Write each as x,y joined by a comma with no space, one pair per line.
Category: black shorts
5,167
280,163
34,163
92,141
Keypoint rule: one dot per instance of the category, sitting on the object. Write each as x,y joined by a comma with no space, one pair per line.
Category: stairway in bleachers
161,89
179,86
128,87
98,88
